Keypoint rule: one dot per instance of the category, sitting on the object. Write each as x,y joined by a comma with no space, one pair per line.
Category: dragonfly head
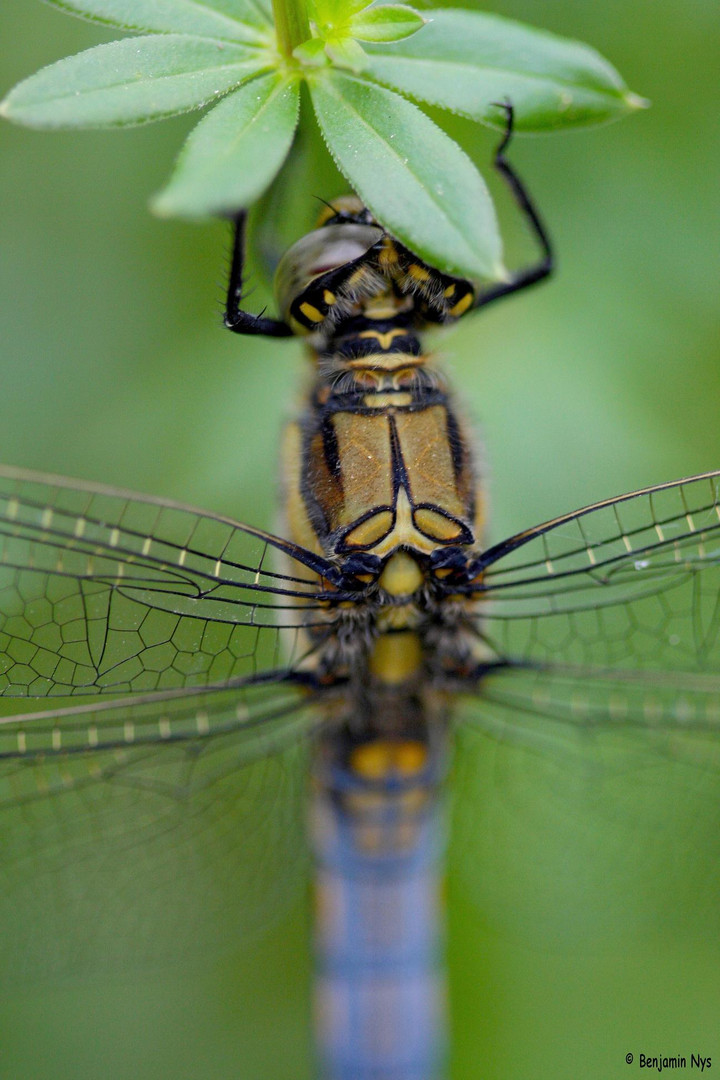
345,237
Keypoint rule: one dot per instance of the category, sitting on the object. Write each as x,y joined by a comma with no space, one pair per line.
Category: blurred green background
114,367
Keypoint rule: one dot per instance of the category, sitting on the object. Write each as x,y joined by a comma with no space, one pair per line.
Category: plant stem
291,24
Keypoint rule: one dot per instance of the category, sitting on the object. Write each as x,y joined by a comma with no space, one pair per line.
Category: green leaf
413,177
345,52
335,12
289,208
311,52
131,82
230,20
465,61
233,154
388,22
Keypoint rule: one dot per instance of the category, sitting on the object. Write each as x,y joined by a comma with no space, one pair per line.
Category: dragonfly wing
118,850
560,710
104,591
586,807
587,768
629,583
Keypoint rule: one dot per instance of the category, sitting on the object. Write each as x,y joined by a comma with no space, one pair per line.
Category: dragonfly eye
346,208
306,280
360,570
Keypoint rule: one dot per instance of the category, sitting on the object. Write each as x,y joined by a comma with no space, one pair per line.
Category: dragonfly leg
237,320
527,275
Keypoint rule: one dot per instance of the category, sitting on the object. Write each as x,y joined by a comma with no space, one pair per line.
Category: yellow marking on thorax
384,340
380,311
404,534
437,525
371,530
297,521
386,401
389,362
396,657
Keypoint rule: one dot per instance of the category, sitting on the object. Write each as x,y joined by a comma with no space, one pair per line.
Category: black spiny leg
529,275
237,320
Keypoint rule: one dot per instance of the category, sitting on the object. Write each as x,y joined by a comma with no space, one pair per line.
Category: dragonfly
196,675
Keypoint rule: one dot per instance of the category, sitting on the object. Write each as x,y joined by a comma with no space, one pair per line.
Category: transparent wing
631,582
587,806
151,829
557,709
588,767
103,591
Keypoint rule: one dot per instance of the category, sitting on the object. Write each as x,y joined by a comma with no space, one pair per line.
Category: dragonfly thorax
378,471
378,466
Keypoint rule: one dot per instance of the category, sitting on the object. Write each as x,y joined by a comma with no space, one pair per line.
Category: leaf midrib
282,84
141,80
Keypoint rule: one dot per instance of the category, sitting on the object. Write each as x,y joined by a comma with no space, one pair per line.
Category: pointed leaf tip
465,60
635,101
131,81
386,23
